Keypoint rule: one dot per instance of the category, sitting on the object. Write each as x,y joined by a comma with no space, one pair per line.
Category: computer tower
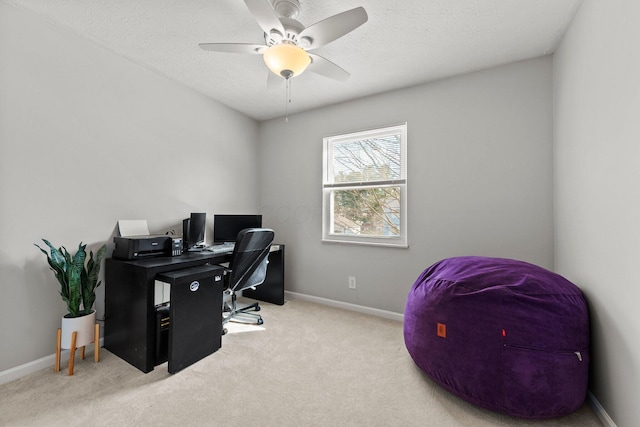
162,333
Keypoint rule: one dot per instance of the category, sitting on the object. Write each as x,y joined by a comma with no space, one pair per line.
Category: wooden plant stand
72,350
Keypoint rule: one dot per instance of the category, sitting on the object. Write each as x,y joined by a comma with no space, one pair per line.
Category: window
364,188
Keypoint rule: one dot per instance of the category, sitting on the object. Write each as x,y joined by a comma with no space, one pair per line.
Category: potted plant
78,282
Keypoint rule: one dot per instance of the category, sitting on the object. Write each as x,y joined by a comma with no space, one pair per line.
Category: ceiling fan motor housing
287,8
292,29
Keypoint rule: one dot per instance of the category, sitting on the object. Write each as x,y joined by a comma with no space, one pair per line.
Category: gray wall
87,138
479,181
597,196
480,175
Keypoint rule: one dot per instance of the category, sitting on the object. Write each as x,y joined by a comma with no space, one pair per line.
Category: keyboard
221,249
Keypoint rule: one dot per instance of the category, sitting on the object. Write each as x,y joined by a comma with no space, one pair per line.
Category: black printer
139,247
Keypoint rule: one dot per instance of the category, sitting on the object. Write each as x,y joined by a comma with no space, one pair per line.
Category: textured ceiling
404,42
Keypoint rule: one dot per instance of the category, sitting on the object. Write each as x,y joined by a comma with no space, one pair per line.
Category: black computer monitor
226,227
193,230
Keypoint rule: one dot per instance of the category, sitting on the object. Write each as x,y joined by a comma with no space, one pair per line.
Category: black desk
130,314
130,330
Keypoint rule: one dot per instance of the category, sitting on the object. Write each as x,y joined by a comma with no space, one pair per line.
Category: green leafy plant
78,281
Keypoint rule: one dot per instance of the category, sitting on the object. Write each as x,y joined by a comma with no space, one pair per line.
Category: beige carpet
312,365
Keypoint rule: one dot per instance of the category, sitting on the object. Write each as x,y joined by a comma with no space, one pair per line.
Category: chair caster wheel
224,331
260,321
257,308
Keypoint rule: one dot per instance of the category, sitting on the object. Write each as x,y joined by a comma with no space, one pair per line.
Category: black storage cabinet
195,314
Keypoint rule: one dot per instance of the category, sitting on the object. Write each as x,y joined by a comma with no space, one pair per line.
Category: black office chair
247,269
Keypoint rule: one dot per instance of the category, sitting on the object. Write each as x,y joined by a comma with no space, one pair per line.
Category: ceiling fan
288,42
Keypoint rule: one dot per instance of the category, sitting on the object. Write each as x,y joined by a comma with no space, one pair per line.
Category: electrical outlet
352,282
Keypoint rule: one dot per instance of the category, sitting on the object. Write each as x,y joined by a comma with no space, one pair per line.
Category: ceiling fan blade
334,27
233,47
324,67
265,15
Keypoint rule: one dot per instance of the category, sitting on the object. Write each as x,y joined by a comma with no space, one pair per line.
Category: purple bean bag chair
505,335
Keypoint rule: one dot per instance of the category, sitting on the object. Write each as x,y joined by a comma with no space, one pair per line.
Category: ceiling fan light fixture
286,60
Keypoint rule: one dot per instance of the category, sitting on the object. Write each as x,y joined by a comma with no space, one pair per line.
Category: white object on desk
133,227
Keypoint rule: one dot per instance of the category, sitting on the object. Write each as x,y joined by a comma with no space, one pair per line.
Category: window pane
367,212
370,159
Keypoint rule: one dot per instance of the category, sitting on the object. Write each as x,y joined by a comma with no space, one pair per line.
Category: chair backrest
249,260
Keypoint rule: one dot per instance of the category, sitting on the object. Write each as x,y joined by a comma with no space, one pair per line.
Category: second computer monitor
193,230
226,227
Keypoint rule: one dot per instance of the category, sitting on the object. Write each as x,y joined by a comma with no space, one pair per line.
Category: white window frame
328,186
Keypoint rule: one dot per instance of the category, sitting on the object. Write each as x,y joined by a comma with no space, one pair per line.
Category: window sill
361,243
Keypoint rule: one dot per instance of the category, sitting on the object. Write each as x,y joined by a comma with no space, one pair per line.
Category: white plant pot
84,326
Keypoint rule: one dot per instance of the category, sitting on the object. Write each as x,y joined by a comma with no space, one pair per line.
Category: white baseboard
605,419
346,306
37,365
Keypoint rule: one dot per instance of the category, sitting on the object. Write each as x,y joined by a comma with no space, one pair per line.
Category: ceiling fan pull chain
287,100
